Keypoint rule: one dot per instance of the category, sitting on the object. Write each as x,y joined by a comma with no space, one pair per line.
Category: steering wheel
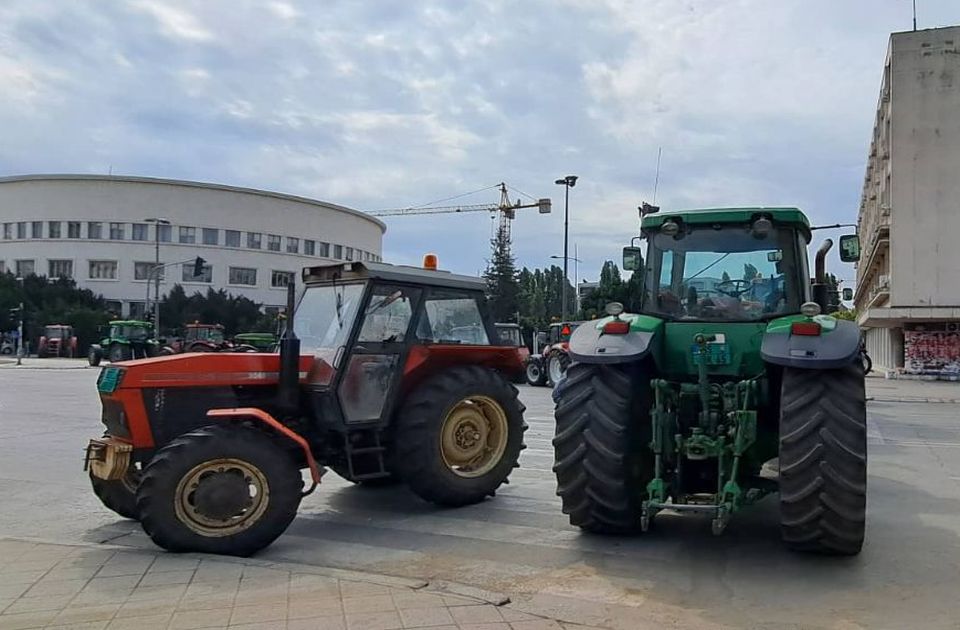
733,289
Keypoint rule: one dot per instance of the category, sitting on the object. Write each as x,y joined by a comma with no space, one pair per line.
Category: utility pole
20,325
156,274
567,182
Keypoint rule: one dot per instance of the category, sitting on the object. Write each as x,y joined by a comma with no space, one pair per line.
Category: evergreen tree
503,288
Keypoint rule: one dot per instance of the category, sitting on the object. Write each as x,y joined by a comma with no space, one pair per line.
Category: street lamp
576,274
567,182
156,273
20,324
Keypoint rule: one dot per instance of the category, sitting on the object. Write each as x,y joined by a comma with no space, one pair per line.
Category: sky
388,104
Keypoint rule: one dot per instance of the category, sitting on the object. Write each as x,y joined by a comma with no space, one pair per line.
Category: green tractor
124,340
730,384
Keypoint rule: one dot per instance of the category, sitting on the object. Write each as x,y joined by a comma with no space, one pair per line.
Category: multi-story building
908,279
103,231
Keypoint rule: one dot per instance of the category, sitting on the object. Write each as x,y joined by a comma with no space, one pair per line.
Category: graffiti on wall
932,353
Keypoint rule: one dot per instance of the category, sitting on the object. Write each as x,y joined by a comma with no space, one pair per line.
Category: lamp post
20,324
157,221
567,182
576,274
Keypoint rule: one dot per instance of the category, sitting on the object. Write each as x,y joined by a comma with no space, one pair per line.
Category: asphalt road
520,543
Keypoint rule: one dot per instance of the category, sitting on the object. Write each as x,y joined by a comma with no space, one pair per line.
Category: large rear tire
823,460
556,367
459,435
601,455
120,495
220,489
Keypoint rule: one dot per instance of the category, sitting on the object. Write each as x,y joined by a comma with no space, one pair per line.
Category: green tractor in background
124,340
731,384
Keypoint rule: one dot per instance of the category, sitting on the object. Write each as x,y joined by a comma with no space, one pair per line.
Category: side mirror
849,248
847,294
632,259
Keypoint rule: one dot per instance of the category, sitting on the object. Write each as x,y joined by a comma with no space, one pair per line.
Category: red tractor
57,340
550,359
384,373
199,337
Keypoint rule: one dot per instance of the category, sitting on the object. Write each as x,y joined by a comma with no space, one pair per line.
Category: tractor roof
727,215
351,271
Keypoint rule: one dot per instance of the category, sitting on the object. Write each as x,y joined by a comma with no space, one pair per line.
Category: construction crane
507,211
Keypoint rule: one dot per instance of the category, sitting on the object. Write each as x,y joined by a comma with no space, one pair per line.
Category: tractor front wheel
459,435
120,495
220,489
823,460
557,364
601,456
536,377
94,356
120,352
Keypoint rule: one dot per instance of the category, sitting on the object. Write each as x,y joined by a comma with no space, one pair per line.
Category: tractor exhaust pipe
288,391
820,295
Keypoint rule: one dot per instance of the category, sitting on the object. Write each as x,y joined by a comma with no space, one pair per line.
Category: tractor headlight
810,309
109,379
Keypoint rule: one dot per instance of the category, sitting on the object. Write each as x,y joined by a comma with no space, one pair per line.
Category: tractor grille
114,418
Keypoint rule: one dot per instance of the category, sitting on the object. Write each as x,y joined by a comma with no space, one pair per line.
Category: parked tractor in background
125,340
262,341
510,334
550,359
706,403
57,340
373,379
199,337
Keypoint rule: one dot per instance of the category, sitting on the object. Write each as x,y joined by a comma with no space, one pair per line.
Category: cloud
392,104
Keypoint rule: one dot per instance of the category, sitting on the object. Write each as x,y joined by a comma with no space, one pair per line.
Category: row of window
185,235
147,271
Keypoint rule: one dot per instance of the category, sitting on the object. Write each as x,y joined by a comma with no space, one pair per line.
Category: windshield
323,321
133,333
56,332
723,274
509,336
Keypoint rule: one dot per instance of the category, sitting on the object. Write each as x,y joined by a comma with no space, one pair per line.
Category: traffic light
198,267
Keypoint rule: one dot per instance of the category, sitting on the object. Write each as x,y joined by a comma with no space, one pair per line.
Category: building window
94,229
53,229
139,232
22,229
233,238
8,231
142,271
243,275
273,242
164,233
338,252
188,235
324,249
349,253
73,229
36,229
254,240
187,273
60,268
211,236
24,268
309,247
116,231
293,245
280,279
138,310
103,270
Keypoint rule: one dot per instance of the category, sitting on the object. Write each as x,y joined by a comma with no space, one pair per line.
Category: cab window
388,314
452,317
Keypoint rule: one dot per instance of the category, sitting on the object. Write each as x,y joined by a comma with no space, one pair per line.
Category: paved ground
679,575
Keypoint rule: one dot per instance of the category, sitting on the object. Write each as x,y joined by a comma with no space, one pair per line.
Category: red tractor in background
384,373
199,337
550,358
57,340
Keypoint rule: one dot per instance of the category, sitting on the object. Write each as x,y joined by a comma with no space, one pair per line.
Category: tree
725,277
503,288
749,272
235,312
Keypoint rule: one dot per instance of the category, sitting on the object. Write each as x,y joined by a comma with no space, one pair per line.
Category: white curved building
97,229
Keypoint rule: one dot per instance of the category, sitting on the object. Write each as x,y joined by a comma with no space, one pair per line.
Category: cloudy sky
386,103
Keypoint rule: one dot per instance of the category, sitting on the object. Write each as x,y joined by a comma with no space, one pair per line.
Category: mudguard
837,345
589,344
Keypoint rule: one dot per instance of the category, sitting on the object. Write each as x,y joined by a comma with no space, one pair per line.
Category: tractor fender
836,346
589,344
268,420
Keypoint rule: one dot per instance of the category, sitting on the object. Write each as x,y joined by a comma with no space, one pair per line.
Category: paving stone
334,622
56,587
146,608
371,603
34,604
484,613
374,621
161,578
349,588
539,624
82,614
423,617
190,619
26,620
149,622
414,599
255,614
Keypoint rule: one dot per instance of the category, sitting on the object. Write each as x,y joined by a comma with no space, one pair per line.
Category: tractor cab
369,325
57,340
124,340
212,333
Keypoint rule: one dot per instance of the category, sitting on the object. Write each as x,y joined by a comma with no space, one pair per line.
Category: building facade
908,279
103,232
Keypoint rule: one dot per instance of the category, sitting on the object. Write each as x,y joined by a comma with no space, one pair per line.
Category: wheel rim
222,497
474,436
533,372
556,370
